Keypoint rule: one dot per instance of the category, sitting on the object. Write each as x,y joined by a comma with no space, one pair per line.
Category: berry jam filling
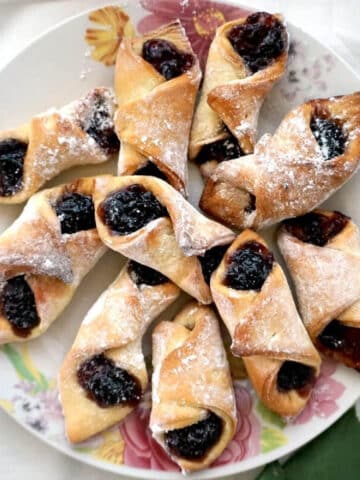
259,41
142,275
341,342
249,267
12,154
130,209
329,135
76,213
165,57
222,150
193,442
295,376
19,306
100,126
106,384
211,260
151,170
316,228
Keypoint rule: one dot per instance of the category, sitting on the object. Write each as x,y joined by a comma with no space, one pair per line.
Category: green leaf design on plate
269,417
25,369
272,438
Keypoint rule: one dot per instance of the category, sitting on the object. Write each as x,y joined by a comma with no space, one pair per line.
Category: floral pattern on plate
34,401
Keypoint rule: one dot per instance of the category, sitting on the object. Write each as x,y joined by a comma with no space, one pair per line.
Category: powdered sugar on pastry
113,327
191,378
288,174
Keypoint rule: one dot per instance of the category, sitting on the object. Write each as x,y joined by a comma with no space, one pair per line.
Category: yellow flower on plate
112,448
7,405
105,41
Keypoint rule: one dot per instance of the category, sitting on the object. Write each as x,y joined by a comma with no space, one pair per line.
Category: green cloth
334,455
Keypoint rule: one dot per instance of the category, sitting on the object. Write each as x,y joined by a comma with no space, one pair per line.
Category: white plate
57,68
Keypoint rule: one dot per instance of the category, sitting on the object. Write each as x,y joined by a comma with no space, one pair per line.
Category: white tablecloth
335,22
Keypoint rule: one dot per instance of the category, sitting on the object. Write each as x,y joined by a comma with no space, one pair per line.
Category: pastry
253,298
322,252
147,220
80,133
44,255
246,58
315,150
156,80
193,413
104,375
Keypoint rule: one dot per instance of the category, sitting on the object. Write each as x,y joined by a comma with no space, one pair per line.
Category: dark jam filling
341,342
142,275
211,260
76,213
295,376
166,58
316,228
19,306
222,150
249,267
193,442
259,41
330,137
12,154
130,209
106,384
150,169
100,126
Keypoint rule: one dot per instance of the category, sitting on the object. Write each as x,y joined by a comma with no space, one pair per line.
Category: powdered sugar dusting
288,174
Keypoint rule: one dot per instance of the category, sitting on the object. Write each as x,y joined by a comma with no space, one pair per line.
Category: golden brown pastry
104,375
80,133
146,220
44,255
322,252
156,80
246,58
193,413
253,297
315,150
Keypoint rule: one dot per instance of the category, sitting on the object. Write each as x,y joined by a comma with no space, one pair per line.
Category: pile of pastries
156,121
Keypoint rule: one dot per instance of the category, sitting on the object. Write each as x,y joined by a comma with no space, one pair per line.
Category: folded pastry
253,298
146,220
156,80
315,150
246,58
104,375
193,413
80,133
44,255
322,252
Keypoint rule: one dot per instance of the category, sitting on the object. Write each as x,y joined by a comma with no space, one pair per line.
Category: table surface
332,21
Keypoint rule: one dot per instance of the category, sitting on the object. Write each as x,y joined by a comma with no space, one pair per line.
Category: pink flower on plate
246,441
327,390
141,450
200,19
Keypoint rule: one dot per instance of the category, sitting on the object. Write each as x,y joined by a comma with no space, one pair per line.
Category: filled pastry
44,255
253,298
156,80
193,412
146,220
322,252
314,151
80,133
104,375
246,58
